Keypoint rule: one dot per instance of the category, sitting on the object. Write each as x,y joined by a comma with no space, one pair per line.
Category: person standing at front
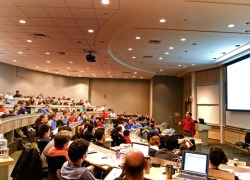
188,125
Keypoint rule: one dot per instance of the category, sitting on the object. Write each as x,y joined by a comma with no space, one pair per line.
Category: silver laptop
144,148
194,165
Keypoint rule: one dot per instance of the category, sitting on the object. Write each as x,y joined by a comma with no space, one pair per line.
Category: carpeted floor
205,148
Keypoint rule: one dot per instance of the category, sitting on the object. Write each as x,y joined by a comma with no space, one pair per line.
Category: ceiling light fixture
70,62
160,58
161,70
67,74
171,47
179,65
133,76
137,37
56,72
47,53
231,25
22,21
141,77
133,57
162,20
14,60
20,52
90,30
130,49
37,67
105,2
48,61
166,52
81,71
29,40
183,39
193,64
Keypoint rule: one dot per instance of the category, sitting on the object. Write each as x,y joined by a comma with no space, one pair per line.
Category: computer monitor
201,121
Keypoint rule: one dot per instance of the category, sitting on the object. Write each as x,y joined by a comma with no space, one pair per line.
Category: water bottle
3,146
118,154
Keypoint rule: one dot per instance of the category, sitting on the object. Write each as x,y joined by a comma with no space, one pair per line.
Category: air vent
154,41
40,35
148,57
72,70
61,53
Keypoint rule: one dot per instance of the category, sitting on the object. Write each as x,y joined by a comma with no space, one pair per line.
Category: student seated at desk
100,122
45,110
43,133
60,146
100,137
216,157
43,119
3,110
73,117
133,166
169,144
72,169
182,148
88,134
126,136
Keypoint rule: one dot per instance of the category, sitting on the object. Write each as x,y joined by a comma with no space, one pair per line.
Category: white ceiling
203,23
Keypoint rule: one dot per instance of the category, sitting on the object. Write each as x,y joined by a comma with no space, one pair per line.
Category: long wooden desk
4,167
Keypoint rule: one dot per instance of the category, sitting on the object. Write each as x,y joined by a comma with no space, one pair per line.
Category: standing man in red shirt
188,125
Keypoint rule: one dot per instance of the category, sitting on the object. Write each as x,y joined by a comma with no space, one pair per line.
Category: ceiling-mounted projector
90,57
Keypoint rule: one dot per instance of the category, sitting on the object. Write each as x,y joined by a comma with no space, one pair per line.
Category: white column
193,90
222,138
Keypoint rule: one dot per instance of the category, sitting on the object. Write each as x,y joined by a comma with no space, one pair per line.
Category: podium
202,132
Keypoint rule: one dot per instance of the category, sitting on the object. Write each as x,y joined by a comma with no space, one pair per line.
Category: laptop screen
195,163
144,148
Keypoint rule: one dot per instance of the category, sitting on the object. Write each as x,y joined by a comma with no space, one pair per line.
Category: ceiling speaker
90,57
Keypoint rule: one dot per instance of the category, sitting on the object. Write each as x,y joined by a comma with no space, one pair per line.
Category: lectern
202,132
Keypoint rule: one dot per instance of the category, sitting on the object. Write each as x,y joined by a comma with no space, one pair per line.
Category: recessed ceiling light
22,21
133,57
105,2
56,72
80,75
130,49
29,40
137,37
133,76
184,66
90,30
67,74
179,65
20,52
162,20
141,77
68,67
37,67
110,76
48,61
70,62
166,52
183,39
160,58
231,25
87,68
81,71
93,74
47,53
161,69
193,64
171,47
135,72
108,72
14,60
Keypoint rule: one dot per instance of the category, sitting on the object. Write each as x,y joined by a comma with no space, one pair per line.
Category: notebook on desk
144,148
194,165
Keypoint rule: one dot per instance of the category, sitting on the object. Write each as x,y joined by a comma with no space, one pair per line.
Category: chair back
55,162
41,145
247,138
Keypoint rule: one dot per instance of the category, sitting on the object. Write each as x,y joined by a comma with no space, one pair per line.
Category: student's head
46,107
171,143
16,107
126,132
153,126
77,150
154,141
44,118
52,116
73,113
90,127
123,123
183,147
44,130
115,125
217,156
65,113
64,128
62,139
119,129
134,163
100,134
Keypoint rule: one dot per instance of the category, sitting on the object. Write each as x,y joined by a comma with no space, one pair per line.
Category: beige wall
122,94
30,82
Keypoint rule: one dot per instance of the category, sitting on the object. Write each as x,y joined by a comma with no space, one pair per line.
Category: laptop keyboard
187,176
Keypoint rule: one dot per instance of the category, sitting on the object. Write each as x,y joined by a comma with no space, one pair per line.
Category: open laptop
144,148
194,166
